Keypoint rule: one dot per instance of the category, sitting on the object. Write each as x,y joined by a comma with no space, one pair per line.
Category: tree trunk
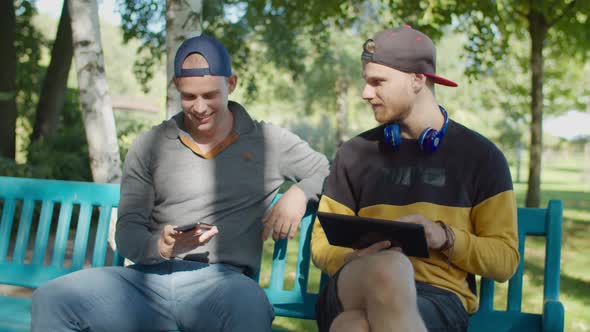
51,100
7,80
95,101
342,109
538,32
97,111
183,20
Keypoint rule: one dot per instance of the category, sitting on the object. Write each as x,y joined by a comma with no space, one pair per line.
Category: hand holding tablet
360,232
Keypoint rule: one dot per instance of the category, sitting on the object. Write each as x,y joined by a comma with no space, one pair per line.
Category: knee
353,320
246,300
51,299
389,272
51,293
388,268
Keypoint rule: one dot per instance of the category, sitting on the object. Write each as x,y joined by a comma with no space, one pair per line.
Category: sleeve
136,235
299,163
338,198
491,250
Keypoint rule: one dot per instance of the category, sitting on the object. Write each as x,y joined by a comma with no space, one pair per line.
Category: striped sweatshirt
466,183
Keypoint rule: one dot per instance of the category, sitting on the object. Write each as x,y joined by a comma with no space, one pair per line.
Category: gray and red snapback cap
211,49
404,49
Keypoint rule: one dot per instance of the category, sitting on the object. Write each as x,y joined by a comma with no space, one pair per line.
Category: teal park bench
87,199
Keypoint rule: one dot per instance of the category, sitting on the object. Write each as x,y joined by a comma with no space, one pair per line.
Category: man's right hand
375,247
172,242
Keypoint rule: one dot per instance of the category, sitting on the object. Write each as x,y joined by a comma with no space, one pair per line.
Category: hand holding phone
178,240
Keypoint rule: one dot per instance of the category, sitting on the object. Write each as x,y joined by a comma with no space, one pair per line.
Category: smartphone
189,227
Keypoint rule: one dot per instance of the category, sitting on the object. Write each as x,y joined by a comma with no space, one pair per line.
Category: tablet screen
360,232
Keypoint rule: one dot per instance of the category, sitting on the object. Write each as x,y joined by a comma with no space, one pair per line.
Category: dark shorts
440,309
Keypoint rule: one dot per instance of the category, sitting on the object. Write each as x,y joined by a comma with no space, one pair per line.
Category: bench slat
82,230
505,321
486,300
279,258
24,230
43,232
100,244
6,227
59,191
303,262
553,250
515,284
61,236
27,275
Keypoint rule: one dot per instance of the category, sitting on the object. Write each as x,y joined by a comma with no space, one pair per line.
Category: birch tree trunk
95,102
183,20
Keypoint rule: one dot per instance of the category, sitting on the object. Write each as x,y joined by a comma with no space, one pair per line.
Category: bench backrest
31,197
545,222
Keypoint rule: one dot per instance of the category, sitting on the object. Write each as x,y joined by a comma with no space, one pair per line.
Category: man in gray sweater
210,163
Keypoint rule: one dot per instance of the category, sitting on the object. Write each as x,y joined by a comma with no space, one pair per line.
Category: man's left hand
435,234
284,217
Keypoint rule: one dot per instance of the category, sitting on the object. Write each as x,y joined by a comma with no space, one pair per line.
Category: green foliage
29,42
146,21
65,156
254,32
338,61
129,125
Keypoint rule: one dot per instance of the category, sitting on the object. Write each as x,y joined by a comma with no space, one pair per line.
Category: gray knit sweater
164,182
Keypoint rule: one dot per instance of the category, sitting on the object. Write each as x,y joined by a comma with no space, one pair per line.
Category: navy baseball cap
211,49
404,49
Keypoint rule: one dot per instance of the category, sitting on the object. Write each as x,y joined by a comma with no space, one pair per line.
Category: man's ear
232,82
418,82
176,81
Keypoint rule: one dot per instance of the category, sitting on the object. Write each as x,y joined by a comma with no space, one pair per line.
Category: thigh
107,299
441,310
219,297
347,289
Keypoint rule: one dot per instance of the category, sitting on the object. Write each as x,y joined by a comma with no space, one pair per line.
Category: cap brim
440,80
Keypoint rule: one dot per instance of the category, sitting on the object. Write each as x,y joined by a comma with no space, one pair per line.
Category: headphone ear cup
393,135
429,140
434,141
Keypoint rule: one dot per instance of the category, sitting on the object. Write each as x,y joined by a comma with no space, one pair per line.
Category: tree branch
565,11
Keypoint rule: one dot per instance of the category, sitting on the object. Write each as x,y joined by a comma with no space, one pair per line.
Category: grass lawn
567,179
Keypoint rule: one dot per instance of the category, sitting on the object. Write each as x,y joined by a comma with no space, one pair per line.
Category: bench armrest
553,316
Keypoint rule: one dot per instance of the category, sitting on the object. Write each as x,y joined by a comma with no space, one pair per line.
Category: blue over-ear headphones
429,139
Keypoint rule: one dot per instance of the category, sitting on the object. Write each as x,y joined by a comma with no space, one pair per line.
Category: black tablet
360,232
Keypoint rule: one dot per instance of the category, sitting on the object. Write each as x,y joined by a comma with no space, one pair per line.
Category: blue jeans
172,295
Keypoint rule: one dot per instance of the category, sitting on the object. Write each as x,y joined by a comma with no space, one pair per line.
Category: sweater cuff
153,255
459,246
311,189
